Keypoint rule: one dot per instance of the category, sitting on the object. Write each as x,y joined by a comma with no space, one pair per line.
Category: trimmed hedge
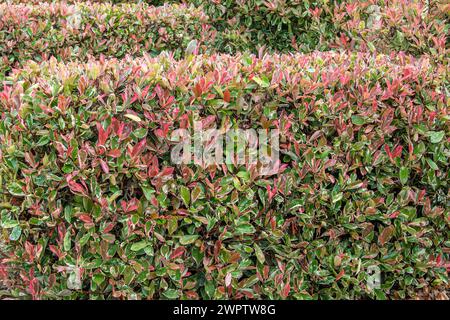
76,31
33,31
417,26
87,187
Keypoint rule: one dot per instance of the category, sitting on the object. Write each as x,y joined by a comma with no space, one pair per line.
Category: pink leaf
138,148
177,252
286,290
115,153
104,166
340,275
388,151
397,152
77,188
228,279
102,134
85,218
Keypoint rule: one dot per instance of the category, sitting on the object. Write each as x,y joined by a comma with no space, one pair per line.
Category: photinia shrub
417,27
91,205
38,31
75,32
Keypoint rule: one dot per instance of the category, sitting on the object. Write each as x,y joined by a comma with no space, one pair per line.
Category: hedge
88,189
38,31
76,31
150,2
417,27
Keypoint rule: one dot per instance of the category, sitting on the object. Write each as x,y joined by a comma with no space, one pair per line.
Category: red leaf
410,149
394,214
397,152
29,248
286,290
421,195
115,153
271,192
135,97
85,218
226,96
145,91
162,132
167,171
197,90
129,206
117,126
104,166
169,102
439,260
108,227
177,252
55,250
386,235
340,275
138,148
77,188
388,151
102,134
154,202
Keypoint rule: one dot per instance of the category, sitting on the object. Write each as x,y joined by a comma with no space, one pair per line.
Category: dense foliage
91,206
76,31
414,26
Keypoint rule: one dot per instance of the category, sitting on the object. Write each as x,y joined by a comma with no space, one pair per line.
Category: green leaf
432,164
43,141
188,239
15,233
247,60
133,117
170,294
67,242
196,193
128,275
108,237
139,245
295,204
185,195
149,251
436,136
148,191
210,288
98,278
84,239
336,197
9,224
358,120
172,225
244,175
245,229
263,81
16,189
140,133
259,254
404,175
